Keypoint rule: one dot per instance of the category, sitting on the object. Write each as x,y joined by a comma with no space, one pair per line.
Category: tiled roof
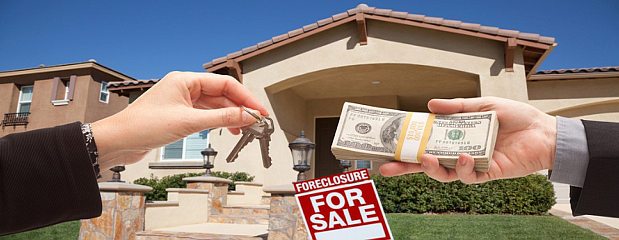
132,83
363,8
579,70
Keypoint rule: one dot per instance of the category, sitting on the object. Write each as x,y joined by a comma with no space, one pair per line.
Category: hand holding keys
262,130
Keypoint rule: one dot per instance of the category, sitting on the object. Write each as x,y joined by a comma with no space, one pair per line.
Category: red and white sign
342,206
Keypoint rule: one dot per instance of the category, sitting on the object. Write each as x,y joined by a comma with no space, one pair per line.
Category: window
187,149
363,164
104,94
25,99
60,92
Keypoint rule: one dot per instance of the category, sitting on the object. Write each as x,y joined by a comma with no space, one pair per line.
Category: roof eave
567,76
527,40
540,60
65,67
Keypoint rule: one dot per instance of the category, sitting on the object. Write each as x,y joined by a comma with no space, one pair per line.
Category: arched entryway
312,102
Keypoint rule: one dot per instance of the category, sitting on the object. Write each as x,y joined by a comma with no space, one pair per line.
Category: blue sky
148,38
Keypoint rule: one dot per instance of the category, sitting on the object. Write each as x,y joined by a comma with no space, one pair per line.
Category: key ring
256,116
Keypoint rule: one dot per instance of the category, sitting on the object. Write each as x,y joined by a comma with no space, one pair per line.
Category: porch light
208,156
302,150
116,174
345,164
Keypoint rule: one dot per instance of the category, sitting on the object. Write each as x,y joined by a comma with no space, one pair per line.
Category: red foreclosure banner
342,206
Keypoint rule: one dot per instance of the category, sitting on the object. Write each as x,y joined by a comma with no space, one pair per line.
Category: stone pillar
122,215
218,191
285,220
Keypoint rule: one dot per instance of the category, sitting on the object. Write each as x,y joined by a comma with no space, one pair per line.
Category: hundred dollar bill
373,133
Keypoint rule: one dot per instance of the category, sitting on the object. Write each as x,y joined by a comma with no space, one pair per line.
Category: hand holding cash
366,132
524,143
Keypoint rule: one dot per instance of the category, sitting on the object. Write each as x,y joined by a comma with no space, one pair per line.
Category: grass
416,226
62,231
462,226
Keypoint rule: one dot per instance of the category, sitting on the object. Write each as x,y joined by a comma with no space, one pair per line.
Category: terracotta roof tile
470,26
394,14
339,16
415,17
265,43
369,10
508,33
324,21
452,23
250,49
433,20
353,11
132,83
579,70
234,54
489,30
547,40
383,12
529,36
208,64
280,38
219,60
310,27
295,32
401,15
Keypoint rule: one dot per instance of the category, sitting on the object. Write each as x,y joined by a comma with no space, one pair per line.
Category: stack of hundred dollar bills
374,133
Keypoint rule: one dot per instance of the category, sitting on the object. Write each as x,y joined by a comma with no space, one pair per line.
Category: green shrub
176,181
418,193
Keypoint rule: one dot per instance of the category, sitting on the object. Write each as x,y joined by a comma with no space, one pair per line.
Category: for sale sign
342,206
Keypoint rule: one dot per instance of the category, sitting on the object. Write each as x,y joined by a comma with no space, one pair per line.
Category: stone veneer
218,191
122,215
285,221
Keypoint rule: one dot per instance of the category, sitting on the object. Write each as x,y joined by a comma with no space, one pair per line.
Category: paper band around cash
414,136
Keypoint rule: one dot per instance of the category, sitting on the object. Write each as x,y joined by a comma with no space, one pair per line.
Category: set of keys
262,130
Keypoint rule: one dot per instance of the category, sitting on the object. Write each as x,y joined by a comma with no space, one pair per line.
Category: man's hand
525,143
180,104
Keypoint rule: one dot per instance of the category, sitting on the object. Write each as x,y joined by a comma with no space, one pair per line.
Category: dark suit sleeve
600,192
46,177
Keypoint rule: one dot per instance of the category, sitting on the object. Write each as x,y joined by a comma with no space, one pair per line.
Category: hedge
176,181
418,193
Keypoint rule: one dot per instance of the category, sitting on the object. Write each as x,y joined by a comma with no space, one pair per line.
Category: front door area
325,163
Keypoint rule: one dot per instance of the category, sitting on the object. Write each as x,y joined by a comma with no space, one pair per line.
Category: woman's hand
525,143
180,104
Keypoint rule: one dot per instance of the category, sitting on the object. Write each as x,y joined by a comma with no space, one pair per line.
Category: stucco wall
8,97
84,107
592,99
95,109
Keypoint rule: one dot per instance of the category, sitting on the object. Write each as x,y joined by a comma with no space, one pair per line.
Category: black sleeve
600,192
46,177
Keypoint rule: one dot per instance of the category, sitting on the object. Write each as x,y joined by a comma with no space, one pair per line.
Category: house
383,58
48,96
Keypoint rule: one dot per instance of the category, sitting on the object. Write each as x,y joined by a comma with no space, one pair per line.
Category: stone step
260,210
239,219
211,231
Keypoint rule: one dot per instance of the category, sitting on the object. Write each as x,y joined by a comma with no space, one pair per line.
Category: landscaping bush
176,181
418,193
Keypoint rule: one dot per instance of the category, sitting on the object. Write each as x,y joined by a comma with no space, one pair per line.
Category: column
122,215
218,191
285,221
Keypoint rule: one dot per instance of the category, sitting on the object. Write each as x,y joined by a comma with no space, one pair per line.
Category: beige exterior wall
591,99
311,78
140,169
